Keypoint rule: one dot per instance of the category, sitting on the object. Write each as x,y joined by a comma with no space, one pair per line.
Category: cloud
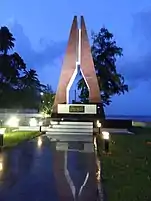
136,102
137,70
137,67
50,73
142,25
43,58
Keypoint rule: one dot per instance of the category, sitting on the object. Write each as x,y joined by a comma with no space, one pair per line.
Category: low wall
117,123
7,115
107,123
24,118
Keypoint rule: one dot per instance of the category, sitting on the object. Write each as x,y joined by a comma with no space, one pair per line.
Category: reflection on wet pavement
35,171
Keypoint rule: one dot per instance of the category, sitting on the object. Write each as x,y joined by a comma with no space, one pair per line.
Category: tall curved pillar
68,67
78,54
87,66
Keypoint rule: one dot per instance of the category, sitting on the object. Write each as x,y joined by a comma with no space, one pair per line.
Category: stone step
70,130
71,123
71,138
72,126
69,133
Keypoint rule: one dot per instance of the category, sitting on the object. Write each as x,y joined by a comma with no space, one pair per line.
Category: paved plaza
44,170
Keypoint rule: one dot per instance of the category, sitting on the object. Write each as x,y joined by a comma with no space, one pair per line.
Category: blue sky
41,29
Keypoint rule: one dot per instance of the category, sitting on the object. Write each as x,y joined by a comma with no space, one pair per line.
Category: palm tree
15,80
30,87
30,79
6,40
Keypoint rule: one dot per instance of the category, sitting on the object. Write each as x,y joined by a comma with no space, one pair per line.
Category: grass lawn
13,138
127,170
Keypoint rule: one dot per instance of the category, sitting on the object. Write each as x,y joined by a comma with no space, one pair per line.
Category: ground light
106,137
13,122
2,131
40,125
99,125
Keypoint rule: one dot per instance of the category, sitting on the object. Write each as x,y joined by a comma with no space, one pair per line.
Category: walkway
38,171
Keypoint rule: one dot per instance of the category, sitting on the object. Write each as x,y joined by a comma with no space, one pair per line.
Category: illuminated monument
78,56
75,170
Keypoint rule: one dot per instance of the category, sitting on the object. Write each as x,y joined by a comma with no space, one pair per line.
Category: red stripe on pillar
87,66
69,65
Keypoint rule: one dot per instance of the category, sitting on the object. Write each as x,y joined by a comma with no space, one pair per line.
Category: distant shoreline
131,117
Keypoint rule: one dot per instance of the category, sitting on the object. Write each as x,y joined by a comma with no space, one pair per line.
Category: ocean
134,117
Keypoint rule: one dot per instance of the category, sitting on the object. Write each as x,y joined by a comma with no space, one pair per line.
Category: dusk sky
41,29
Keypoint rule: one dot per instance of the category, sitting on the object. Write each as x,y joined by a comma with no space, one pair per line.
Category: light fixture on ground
2,131
99,125
40,125
13,122
106,137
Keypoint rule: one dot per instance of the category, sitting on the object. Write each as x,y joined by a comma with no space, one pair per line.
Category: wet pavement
37,171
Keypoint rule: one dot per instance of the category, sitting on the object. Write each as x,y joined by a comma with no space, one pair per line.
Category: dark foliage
105,53
19,87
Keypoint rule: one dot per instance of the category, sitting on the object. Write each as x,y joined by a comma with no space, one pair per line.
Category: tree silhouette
30,80
105,53
19,87
6,40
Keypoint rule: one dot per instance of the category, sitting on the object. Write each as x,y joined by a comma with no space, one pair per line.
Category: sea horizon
144,118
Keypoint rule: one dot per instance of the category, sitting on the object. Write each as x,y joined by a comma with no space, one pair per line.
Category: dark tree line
19,86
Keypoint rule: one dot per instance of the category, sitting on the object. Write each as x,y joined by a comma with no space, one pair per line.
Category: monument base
80,112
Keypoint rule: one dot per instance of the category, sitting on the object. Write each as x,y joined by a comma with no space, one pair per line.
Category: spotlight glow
33,122
2,131
13,122
98,124
40,123
106,135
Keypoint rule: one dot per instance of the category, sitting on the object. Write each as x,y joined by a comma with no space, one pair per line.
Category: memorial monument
78,56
